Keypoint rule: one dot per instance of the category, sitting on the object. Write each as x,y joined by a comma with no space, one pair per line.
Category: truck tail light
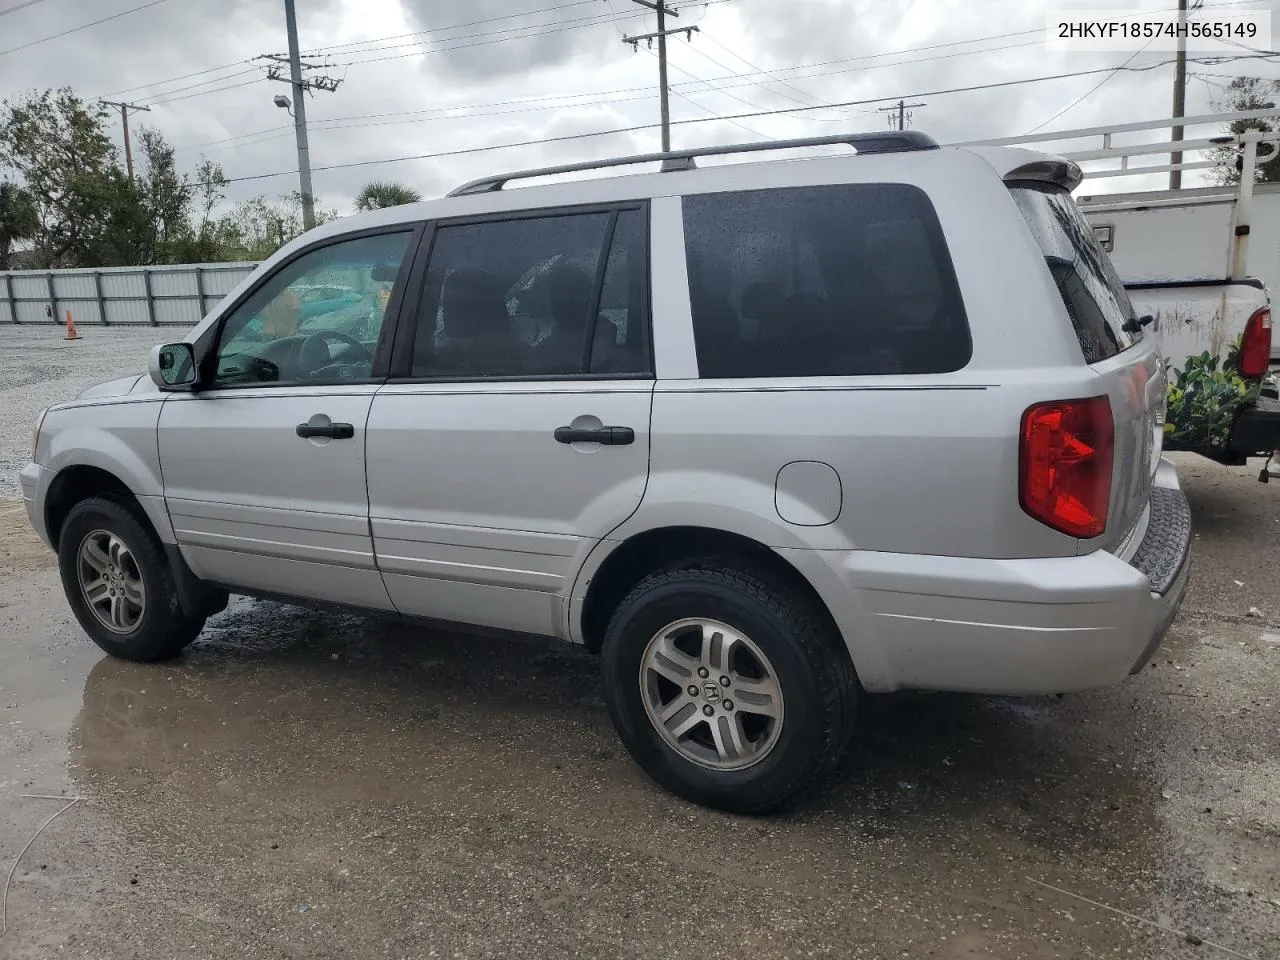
1064,464
1255,345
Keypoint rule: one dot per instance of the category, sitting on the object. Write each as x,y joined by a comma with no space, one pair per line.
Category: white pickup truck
1198,264
1183,264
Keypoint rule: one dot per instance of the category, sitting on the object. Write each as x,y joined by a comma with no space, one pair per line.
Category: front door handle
334,431
616,436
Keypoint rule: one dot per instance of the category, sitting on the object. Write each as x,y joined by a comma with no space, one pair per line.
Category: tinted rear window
822,281
1094,296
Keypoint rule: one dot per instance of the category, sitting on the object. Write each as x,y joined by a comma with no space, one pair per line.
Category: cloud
494,82
490,39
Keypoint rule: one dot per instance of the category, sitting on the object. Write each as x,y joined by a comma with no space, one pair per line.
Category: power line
561,25
775,73
167,95
372,40
598,18
759,70
184,76
744,77
711,87
900,108
686,99
124,119
734,75
83,26
564,26
311,51
20,6
419,47
522,106
201,93
1090,92
465,151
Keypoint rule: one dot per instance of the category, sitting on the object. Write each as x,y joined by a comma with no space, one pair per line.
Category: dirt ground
20,548
304,785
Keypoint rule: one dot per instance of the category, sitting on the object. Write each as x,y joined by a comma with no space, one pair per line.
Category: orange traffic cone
71,328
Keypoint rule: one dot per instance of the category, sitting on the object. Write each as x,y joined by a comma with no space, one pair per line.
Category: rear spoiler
1054,170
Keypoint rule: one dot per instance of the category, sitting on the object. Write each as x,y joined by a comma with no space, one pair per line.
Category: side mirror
173,366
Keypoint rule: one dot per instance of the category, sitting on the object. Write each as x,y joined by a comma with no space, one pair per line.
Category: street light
283,103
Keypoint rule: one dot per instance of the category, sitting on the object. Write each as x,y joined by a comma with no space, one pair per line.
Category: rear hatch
1127,362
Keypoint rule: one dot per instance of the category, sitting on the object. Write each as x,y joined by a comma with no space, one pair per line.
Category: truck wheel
119,584
727,688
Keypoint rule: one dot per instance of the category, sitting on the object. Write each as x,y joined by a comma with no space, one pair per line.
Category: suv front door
515,431
264,465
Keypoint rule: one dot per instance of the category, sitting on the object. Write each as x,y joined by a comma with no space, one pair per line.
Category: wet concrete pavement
305,785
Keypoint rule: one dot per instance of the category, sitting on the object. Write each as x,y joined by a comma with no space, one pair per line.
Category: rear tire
665,673
119,584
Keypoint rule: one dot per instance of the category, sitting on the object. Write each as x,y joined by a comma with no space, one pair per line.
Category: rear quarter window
1091,290
842,280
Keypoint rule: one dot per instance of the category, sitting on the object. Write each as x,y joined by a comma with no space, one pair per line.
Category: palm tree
18,220
385,193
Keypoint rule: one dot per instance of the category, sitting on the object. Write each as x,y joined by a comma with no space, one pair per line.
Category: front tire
119,584
728,687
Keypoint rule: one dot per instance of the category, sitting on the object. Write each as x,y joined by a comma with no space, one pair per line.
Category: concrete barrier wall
181,294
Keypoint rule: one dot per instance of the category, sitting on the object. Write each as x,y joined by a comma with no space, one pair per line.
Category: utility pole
900,108
301,87
1179,93
661,35
124,118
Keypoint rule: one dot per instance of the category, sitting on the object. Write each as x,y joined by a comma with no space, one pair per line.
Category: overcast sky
490,72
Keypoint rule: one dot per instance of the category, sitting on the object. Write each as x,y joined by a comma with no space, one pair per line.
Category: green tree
121,232
17,219
256,228
63,158
380,194
1247,93
167,197
205,238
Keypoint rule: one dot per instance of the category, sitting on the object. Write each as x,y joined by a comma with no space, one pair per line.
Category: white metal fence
125,296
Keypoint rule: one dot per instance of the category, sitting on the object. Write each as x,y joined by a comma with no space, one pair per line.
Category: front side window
1091,290
522,298
840,280
317,319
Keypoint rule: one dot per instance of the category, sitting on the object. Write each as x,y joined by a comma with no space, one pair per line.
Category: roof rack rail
892,141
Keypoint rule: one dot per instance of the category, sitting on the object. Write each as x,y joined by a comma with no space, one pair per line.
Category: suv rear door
514,433
1127,363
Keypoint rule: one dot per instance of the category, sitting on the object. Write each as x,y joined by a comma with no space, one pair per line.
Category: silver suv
766,436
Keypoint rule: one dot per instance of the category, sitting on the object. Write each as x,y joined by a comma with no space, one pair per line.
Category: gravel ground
310,785
38,367
306,785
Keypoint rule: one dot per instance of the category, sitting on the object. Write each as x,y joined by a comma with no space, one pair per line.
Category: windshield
1093,293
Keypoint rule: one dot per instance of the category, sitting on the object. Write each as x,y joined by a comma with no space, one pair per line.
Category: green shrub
1203,401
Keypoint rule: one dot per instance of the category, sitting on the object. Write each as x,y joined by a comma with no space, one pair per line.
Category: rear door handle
616,436
334,431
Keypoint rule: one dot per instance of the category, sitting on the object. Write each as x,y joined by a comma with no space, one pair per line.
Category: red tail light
1255,346
1064,468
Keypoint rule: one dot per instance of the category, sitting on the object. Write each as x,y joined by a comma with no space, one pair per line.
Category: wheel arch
646,552
79,482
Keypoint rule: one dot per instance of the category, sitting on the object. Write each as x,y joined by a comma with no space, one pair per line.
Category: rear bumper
1256,432
1031,626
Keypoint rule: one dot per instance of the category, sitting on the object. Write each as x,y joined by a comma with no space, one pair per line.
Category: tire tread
160,639
832,669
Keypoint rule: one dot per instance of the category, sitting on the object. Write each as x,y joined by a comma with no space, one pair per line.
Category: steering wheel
313,352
